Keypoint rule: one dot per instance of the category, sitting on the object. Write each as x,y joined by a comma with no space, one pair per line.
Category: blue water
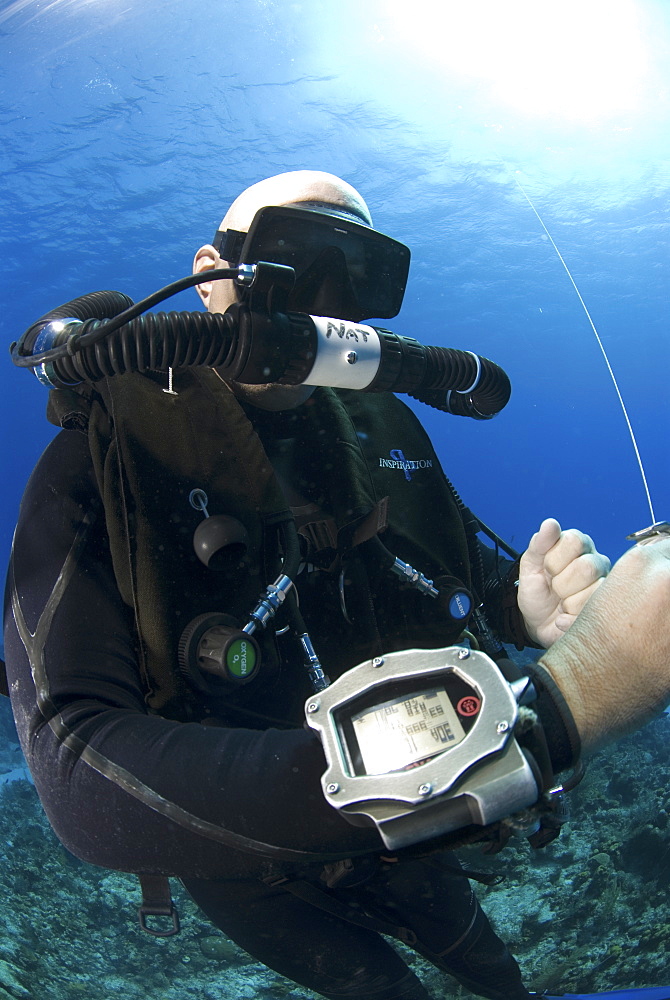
129,125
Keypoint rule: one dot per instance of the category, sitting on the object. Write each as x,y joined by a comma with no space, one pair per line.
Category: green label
240,659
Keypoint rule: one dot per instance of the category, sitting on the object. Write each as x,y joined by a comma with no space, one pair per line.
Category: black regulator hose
155,341
103,334
95,305
465,384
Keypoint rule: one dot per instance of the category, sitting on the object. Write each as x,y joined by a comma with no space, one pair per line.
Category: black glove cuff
559,726
512,625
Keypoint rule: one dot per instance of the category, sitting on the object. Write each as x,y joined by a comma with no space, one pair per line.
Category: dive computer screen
405,730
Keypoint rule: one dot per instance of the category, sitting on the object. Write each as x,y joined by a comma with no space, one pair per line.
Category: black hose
117,336
100,305
155,341
95,305
291,549
449,375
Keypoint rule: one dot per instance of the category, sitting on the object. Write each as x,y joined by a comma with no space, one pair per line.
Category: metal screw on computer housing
333,788
313,706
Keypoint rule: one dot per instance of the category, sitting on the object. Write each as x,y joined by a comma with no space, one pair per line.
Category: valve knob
213,650
455,600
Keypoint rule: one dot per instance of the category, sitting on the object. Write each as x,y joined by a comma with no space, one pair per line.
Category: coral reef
590,912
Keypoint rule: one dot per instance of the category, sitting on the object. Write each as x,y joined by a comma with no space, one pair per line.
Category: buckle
274,880
157,902
159,911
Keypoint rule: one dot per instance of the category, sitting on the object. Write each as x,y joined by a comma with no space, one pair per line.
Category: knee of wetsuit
362,988
482,963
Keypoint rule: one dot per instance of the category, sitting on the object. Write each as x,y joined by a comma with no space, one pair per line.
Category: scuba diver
165,738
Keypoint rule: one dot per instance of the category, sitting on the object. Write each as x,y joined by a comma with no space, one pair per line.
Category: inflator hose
239,346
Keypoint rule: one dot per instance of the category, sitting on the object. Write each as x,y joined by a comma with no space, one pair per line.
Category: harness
151,449
367,469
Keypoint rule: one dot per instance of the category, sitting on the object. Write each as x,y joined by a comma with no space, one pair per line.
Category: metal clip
655,532
246,274
270,602
414,577
314,669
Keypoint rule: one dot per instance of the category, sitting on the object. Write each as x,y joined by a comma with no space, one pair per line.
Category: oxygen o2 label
240,659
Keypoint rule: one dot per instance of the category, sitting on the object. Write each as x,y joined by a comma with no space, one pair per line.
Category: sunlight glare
580,59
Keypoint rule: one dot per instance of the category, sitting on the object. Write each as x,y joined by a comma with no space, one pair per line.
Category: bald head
313,188
292,188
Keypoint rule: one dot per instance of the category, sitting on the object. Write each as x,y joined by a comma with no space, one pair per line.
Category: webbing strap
157,902
337,908
321,530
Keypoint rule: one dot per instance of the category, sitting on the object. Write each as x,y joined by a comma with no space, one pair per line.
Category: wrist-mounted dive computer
421,743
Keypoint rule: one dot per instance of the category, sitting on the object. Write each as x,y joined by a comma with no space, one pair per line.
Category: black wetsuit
130,790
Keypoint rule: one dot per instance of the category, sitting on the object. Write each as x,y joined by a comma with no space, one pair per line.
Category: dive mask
342,267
